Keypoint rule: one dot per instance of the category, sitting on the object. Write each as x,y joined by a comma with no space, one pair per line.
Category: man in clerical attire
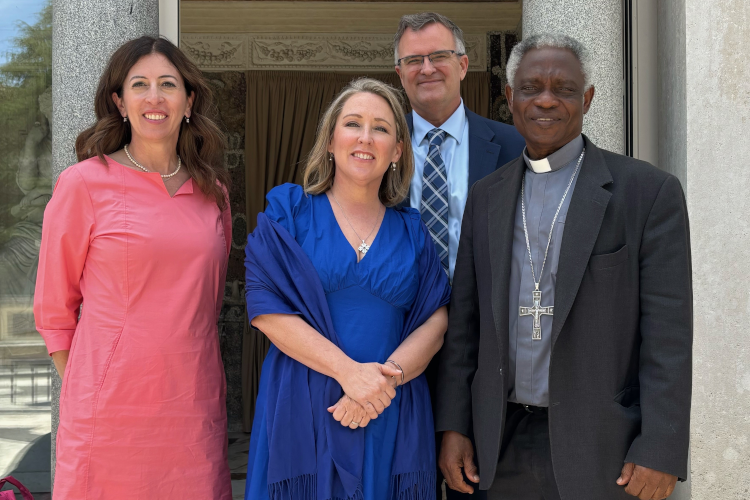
568,352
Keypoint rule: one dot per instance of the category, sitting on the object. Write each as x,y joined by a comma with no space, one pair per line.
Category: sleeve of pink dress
68,223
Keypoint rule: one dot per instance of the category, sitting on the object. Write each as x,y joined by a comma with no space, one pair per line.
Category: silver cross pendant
536,312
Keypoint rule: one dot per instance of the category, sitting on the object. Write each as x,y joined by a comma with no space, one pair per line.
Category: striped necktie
434,205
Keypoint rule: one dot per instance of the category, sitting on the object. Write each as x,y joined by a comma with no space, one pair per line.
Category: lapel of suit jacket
584,219
501,212
483,153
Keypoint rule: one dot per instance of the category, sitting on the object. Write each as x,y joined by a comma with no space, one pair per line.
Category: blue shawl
312,456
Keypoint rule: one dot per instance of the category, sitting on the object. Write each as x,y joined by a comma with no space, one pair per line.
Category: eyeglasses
438,58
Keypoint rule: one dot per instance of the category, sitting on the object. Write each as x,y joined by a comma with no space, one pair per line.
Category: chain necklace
537,310
163,176
364,247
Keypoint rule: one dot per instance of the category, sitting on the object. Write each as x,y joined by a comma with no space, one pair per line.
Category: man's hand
349,412
645,483
457,453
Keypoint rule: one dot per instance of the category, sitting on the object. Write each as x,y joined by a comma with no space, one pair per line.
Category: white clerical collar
556,160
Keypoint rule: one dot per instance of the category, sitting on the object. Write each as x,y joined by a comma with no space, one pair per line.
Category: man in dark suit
568,352
453,146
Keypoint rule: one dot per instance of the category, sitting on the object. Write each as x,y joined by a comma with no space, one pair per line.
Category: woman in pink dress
139,233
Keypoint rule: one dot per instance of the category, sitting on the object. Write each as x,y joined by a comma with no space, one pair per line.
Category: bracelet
399,367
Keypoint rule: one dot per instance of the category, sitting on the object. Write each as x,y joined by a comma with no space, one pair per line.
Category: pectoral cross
536,312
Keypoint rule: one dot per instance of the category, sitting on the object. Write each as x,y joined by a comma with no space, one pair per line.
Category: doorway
270,58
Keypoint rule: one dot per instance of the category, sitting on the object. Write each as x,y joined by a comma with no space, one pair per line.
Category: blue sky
12,11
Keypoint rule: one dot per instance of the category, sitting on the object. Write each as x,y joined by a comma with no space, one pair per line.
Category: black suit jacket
491,145
620,368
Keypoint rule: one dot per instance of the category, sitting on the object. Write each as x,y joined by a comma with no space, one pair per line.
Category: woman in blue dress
351,293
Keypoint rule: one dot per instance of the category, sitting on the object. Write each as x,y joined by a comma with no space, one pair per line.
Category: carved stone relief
306,52
216,52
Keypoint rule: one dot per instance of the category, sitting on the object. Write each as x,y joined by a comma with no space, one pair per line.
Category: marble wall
716,111
597,24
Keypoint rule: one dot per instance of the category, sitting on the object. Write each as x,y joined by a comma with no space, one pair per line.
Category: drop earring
187,119
393,166
125,119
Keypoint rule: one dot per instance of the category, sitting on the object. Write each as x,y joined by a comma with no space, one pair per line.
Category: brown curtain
475,91
283,110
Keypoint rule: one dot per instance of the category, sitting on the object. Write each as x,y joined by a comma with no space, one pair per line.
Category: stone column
598,25
84,35
672,126
716,107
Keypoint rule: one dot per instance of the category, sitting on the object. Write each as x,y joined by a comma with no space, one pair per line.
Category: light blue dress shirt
455,153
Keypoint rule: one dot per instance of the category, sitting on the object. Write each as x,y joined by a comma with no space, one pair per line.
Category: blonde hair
319,171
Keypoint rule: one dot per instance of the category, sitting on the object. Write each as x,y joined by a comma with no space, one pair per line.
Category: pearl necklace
163,176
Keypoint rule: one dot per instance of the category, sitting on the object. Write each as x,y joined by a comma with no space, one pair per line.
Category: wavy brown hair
320,171
201,143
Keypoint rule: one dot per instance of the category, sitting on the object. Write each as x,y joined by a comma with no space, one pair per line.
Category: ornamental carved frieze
321,52
306,52
292,52
216,52
365,51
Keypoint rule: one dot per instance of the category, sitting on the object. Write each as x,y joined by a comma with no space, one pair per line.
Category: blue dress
368,300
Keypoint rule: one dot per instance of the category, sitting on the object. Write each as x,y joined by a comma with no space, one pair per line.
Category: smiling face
432,90
364,142
548,99
154,99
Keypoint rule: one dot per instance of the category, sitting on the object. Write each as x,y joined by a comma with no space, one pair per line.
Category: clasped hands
369,389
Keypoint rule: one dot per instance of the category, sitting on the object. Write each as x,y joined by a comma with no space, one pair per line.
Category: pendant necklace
364,247
537,310
163,176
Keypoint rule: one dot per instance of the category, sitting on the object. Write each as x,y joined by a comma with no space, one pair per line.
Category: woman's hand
60,358
350,413
368,384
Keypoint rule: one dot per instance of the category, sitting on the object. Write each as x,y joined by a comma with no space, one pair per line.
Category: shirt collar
453,126
556,160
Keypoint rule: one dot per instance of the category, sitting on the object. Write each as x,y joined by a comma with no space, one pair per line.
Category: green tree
30,62
26,75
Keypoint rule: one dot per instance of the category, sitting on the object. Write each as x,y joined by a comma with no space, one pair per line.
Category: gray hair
550,40
418,21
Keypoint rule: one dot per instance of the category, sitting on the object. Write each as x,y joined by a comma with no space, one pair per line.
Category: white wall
717,145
